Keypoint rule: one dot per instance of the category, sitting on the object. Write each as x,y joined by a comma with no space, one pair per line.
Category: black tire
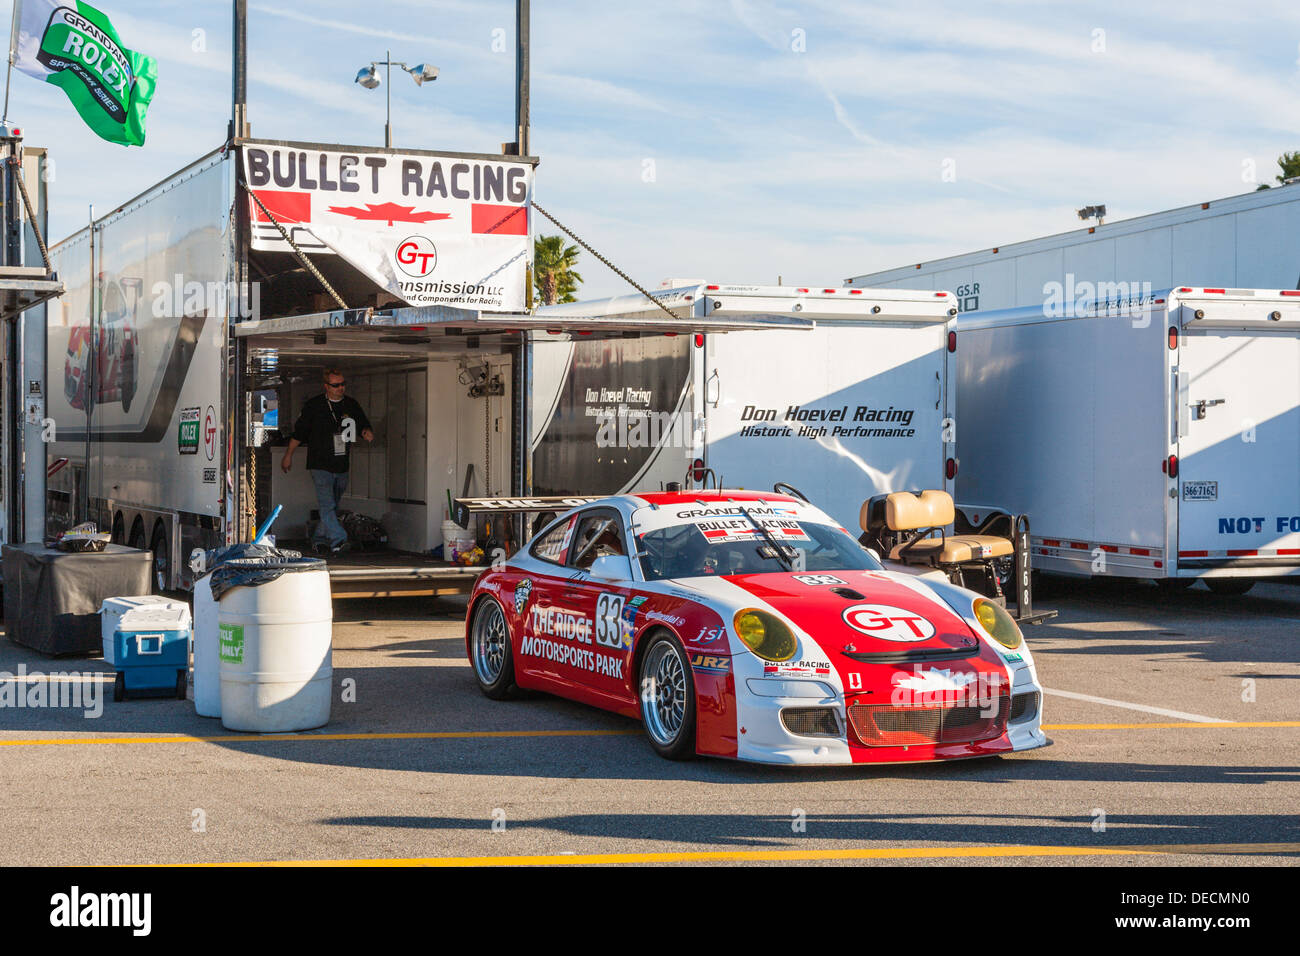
181,682
137,536
1231,587
1174,584
119,529
667,698
491,654
162,559
119,687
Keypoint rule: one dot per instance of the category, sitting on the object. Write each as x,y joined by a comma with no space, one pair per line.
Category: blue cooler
147,639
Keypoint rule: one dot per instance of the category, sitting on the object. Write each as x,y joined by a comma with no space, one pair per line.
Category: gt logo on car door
609,610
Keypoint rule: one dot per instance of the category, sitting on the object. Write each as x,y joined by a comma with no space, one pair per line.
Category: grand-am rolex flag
74,46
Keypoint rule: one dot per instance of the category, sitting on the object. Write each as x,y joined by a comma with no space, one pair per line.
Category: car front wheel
668,699
490,651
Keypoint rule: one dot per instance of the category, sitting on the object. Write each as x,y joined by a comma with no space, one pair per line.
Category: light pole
369,78
1093,212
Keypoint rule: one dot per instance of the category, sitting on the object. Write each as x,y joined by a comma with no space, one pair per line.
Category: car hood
889,620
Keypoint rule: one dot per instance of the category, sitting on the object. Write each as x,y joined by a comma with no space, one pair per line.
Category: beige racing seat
924,514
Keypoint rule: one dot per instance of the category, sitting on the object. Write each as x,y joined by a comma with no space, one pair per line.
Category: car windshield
690,550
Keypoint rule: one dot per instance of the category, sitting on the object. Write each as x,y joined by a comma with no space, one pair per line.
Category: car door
535,599
593,610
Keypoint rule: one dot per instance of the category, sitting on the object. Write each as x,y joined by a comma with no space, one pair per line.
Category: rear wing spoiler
465,507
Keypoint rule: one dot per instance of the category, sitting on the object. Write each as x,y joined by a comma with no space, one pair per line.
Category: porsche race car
750,625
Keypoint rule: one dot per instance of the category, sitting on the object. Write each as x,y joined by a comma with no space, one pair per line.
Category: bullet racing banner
432,230
74,46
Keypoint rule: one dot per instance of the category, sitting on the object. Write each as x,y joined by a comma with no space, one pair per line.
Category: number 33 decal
609,609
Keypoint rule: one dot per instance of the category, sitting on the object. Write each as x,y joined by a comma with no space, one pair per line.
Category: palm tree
553,272
1290,163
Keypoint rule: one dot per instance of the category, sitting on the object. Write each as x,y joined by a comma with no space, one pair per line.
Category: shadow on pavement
773,830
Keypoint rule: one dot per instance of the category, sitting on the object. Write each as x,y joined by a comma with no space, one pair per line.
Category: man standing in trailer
328,426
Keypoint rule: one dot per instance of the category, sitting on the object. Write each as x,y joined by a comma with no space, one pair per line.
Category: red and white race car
750,625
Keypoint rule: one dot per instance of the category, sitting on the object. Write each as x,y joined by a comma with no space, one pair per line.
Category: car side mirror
611,567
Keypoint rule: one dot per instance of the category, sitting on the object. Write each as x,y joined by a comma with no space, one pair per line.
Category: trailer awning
22,287
723,303
470,321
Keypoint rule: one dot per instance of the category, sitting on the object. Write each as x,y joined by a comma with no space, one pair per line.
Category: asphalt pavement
1174,718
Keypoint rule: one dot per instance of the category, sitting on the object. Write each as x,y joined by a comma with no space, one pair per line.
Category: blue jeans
329,491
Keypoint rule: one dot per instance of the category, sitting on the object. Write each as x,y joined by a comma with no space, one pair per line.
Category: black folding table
52,598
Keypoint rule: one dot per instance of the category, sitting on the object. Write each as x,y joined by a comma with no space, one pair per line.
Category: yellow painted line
476,734
703,856
276,738
1156,726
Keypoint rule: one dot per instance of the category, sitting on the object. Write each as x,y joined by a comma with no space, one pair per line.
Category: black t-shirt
317,425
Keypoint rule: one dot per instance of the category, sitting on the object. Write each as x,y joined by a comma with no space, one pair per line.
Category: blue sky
738,141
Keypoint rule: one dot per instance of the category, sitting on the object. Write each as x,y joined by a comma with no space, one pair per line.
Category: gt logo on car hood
888,623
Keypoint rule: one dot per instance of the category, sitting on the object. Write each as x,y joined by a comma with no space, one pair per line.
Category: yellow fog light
765,635
998,623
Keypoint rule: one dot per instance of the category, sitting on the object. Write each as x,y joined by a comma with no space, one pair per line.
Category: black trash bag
247,565
362,530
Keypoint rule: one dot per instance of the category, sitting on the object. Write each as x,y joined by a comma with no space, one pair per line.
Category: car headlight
998,623
765,635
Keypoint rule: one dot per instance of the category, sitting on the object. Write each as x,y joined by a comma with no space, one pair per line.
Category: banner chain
617,271
302,256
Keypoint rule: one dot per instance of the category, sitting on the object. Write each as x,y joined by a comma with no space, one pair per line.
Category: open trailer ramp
390,573
370,574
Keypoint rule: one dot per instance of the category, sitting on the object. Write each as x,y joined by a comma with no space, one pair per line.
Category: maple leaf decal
389,212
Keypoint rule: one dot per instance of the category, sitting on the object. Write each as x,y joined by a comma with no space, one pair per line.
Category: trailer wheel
1174,584
137,535
162,564
1230,586
119,529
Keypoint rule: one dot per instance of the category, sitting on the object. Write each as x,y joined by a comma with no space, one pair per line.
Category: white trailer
1158,442
854,408
136,369
858,408
1251,241
200,315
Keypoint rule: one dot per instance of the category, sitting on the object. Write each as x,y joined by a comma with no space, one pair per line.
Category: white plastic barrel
207,665
274,644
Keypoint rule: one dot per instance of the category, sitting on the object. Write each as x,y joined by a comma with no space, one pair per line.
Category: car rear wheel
493,660
1230,586
668,699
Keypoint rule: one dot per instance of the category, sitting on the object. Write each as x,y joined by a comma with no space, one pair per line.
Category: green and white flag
74,46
